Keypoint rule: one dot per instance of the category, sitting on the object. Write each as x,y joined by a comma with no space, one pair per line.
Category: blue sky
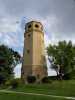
57,17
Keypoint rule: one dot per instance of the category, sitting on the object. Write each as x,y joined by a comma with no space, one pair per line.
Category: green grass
62,88
7,96
59,88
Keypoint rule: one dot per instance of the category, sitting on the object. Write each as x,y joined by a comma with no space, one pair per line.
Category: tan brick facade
34,62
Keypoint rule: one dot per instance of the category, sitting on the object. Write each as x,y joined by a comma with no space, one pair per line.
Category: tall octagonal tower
34,62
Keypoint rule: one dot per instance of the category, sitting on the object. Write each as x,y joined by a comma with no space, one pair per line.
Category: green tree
8,60
62,57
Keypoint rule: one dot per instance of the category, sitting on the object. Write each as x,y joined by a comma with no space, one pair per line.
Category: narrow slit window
28,35
28,51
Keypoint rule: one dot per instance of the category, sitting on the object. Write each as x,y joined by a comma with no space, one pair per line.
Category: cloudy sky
57,17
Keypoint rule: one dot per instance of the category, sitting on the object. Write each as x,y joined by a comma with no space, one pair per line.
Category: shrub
2,79
45,80
14,83
67,76
31,79
8,83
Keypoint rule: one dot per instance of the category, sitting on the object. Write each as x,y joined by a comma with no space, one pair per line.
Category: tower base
38,71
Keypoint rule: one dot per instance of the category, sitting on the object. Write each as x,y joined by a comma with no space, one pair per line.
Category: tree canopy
8,60
62,57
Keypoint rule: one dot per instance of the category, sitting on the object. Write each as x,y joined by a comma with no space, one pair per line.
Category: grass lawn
61,88
7,96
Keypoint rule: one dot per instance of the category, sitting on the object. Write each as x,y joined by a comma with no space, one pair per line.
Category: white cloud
11,32
8,24
0,35
17,71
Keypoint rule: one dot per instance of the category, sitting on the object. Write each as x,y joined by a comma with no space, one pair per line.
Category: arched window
29,26
37,26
